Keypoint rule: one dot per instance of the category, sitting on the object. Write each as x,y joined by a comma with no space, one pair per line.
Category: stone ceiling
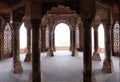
6,4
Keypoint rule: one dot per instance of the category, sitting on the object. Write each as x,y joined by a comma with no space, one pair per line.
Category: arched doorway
23,39
101,38
62,36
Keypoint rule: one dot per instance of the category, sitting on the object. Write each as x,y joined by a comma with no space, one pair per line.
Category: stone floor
60,68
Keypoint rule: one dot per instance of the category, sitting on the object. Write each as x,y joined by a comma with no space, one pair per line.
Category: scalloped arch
60,9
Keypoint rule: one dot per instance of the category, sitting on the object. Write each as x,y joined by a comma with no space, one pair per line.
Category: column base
50,53
96,56
17,67
107,66
87,78
28,57
74,52
41,77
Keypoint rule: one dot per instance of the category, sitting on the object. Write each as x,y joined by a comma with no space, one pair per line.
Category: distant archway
23,38
62,36
101,39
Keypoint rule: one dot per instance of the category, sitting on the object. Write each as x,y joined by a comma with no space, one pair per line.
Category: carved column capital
27,23
43,26
106,22
35,23
16,25
96,25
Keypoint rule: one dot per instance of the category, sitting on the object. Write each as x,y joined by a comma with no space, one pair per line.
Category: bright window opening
101,38
62,37
23,39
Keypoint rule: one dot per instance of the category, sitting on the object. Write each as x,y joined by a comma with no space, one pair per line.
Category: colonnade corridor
60,68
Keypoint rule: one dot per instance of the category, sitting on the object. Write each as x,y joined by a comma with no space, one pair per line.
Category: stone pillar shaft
36,72
29,52
54,41
17,67
50,50
80,38
107,65
43,39
71,37
74,49
87,51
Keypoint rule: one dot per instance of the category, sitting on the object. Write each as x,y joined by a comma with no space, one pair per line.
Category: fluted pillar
17,66
36,71
29,52
74,49
96,55
107,64
50,50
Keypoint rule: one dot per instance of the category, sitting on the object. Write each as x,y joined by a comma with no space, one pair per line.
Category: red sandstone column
107,64
17,66
96,55
29,52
